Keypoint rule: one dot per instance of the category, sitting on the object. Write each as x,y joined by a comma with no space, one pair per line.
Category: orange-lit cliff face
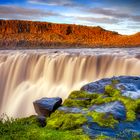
14,33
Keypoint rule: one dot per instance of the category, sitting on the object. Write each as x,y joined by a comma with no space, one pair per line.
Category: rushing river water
27,75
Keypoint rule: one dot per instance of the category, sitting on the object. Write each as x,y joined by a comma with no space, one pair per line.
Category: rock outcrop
115,108
29,34
45,106
102,109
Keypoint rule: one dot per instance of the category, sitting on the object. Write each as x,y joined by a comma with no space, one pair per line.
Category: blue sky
122,16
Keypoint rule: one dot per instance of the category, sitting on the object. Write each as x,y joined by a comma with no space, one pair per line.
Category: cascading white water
29,75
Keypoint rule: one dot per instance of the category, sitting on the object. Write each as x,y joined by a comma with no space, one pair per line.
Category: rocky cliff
29,34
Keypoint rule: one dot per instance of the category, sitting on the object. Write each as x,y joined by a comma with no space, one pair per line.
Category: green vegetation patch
29,129
80,99
103,119
111,94
111,91
82,94
76,103
65,121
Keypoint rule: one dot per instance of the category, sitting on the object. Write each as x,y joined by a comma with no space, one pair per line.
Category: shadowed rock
45,106
42,120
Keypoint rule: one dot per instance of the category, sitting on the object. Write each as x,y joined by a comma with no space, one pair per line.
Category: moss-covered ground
29,129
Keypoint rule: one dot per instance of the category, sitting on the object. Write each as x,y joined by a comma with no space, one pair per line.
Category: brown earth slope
29,34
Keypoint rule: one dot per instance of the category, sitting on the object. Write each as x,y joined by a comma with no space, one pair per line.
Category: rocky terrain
108,109
29,34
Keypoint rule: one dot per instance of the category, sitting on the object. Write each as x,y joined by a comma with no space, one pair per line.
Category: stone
42,120
97,86
116,108
45,106
72,110
128,85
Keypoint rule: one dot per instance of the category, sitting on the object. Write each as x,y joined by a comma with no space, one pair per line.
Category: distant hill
29,34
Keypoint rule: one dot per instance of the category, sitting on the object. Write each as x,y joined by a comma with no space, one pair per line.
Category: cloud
114,14
54,2
133,26
15,12
132,5
99,20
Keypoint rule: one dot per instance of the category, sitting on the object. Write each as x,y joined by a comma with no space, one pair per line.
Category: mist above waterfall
27,75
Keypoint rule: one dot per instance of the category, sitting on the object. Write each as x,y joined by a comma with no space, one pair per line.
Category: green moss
65,121
80,99
111,91
29,129
131,106
105,120
76,103
82,94
102,100
112,94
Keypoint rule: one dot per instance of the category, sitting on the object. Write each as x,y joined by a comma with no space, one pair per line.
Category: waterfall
27,76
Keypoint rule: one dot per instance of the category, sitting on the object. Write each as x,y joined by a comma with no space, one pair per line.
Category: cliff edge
29,34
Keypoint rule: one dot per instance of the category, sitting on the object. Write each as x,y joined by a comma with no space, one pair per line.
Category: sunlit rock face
29,34
26,76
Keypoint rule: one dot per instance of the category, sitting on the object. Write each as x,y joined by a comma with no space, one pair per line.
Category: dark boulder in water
45,106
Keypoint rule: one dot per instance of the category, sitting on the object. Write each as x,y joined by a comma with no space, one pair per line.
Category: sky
122,16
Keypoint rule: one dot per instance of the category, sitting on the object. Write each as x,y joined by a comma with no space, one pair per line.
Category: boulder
42,120
128,85
45,106
97,86
116,108
72,110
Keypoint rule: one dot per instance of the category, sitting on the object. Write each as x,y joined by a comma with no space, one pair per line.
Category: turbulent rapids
32,74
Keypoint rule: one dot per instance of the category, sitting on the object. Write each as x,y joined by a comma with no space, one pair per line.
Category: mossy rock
82,94
65,121
76,103
103,119
111,91
80,99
